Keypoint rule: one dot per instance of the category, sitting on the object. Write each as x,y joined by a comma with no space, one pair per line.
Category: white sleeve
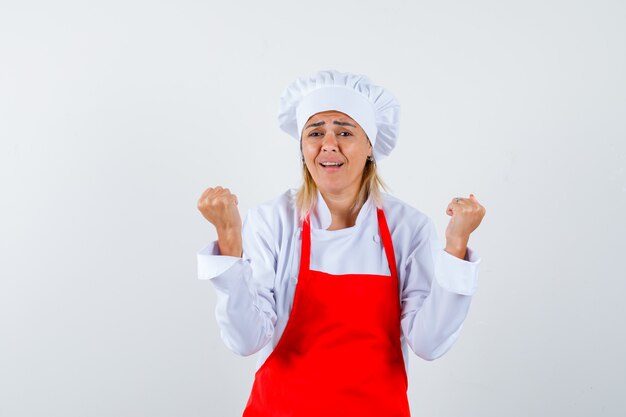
245,309
436,294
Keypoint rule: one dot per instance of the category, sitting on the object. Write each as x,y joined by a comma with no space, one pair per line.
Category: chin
331,188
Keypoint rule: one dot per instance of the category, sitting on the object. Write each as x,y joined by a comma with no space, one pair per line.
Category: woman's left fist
467,213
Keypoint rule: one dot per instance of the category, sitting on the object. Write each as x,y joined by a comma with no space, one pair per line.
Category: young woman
334,281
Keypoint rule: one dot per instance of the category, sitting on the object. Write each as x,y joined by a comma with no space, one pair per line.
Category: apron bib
340,352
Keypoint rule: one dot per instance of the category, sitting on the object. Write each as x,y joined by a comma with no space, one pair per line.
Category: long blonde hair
371,183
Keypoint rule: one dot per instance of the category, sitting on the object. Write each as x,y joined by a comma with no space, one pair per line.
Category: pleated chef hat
371,106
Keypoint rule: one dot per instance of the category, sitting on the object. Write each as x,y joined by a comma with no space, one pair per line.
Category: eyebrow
335,122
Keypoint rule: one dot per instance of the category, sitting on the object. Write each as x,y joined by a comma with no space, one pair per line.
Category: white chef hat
375,109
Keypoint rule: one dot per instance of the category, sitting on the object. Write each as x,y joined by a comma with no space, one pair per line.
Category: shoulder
276,212
397,211
406,222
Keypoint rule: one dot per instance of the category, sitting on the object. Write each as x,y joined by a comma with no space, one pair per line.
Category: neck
340,207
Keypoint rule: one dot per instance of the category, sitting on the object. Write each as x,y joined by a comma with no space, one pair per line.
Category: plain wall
116,115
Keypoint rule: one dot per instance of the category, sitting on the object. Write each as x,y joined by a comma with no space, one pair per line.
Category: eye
347,133
314,133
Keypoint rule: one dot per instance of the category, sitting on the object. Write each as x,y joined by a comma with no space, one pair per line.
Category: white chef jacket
255,292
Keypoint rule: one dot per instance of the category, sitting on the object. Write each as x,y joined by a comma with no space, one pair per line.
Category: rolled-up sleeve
454,274
245,310
436,294
211,264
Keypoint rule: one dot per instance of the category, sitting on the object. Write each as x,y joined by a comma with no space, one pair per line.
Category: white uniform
255,293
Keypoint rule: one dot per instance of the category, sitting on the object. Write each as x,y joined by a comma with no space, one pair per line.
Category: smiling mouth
331,164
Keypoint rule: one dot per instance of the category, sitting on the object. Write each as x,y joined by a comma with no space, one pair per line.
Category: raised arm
241,267
436,295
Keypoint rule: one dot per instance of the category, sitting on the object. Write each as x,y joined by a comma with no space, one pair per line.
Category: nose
329,143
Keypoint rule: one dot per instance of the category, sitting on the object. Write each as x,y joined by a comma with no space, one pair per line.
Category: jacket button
376,238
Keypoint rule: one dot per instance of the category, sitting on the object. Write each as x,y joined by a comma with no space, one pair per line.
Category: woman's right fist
219,206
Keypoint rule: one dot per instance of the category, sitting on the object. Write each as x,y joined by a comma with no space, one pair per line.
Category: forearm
433,329
245,319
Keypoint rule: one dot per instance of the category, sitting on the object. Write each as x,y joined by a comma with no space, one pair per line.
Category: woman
333,282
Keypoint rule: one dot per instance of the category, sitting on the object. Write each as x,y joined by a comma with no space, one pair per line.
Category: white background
116,115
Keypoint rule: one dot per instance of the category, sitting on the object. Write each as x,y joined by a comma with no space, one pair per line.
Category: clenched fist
466,213
219,206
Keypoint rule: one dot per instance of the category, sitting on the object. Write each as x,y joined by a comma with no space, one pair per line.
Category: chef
333,282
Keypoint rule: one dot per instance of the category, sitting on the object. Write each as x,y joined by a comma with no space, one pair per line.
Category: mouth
331,164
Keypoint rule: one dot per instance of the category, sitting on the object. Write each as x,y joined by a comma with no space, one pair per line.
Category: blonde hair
371,184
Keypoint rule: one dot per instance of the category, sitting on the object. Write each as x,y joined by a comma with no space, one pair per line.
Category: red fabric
340,353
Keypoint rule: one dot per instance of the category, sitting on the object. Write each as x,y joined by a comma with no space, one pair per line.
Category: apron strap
305,252
387,243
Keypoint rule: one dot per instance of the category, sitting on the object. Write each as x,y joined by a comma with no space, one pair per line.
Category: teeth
331,164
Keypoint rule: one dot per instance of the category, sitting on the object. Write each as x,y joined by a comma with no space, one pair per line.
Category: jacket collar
321,217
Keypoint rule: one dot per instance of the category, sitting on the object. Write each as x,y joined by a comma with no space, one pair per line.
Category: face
335,150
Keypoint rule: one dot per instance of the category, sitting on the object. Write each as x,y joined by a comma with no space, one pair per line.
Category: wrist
457,247
459,253
228,232
229,242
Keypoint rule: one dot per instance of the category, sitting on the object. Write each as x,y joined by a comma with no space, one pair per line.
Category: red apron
340,352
